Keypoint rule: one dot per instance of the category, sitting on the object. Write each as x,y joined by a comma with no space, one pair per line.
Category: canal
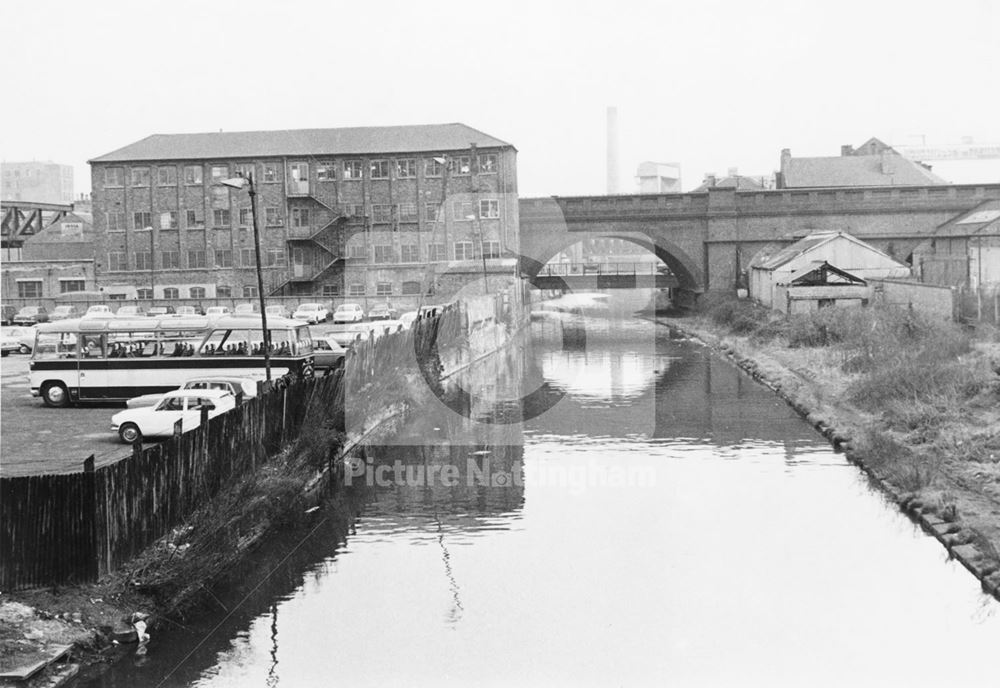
608,506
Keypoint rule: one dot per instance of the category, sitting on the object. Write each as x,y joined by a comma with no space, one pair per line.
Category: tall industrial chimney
612,150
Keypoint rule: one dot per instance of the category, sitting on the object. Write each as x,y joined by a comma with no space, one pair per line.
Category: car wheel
4,353
24,349
130,433
54,394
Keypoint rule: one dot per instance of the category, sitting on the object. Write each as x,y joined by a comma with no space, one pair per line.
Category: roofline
502,144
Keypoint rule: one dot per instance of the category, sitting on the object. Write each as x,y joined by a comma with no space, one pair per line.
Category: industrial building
353,212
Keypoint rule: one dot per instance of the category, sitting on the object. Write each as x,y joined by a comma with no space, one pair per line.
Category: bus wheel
54,394
130,433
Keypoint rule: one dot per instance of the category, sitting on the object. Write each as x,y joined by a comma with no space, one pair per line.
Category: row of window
408,288
143,219
195,259
224,258
381,213
298,172
32,289
436,252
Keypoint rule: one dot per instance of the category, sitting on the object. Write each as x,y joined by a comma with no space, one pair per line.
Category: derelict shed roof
798,248
814,269
417,138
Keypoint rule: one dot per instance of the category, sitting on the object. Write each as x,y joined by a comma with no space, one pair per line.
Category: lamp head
235,182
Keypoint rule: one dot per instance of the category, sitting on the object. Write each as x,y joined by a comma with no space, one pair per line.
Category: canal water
608,506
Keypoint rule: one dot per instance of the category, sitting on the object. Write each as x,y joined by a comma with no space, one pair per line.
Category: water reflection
661,520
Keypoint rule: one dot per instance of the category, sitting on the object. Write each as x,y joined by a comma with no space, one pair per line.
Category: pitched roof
821,272
739,182
311,142
808,243
982,220
857,170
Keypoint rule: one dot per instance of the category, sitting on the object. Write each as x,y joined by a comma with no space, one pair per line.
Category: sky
712,85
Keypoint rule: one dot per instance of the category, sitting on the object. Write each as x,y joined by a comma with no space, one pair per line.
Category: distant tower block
659,177
612,143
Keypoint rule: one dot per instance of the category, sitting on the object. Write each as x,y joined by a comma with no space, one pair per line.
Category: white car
312,313
98,311
17,338
184,405
217,311
234,385
245,309
348,312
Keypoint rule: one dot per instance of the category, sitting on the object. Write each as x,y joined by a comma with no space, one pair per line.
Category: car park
327,352
31,315
246,386
132,425
312,313
130,312
348,312
382,311
98,311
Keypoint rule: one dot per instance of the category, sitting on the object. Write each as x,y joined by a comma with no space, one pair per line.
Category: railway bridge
708,239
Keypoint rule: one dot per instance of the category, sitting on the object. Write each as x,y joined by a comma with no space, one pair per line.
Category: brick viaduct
707,238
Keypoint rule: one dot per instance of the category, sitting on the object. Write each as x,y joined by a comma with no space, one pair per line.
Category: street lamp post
246,182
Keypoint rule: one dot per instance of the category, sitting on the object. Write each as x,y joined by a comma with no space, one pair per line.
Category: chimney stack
846,150
612,144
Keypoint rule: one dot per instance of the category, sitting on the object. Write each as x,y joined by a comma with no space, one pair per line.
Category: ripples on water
668,521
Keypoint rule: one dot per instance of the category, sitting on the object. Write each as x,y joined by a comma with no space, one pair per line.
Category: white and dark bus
115,359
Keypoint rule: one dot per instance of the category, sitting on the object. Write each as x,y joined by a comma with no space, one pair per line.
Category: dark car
382,311
31,315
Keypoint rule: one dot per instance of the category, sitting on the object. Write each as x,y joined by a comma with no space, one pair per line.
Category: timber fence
72,528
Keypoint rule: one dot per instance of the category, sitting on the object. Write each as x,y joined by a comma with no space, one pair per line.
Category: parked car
131,312
312,313
179,405
348,312
156,311
31,315
64,313
382,311
246,309
9,342
327,352
98,311
218,311
234,385
23,336
277,311
9,312
190,310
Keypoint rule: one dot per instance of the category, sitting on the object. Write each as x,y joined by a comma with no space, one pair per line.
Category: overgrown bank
915,402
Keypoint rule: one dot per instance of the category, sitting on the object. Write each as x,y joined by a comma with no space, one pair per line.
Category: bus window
55,345
92,346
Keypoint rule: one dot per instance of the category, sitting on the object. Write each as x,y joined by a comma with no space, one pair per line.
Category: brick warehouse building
357,212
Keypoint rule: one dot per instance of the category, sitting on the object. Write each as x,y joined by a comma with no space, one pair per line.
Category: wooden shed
823,260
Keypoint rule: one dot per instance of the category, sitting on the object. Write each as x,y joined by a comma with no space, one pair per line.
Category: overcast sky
710,84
